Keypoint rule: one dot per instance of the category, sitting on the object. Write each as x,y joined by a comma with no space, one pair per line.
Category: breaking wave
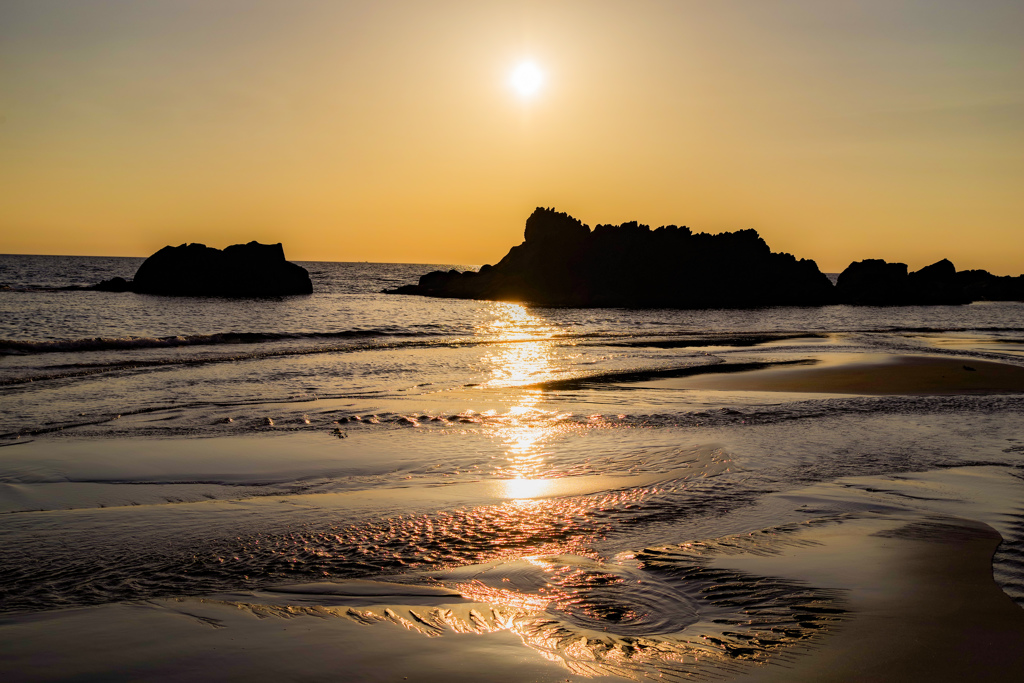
12,347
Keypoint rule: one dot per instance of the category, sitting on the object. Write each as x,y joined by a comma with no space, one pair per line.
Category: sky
394,131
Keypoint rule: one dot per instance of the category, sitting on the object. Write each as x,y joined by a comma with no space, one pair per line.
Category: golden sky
390,131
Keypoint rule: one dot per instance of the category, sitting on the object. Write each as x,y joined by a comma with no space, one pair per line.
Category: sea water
158,446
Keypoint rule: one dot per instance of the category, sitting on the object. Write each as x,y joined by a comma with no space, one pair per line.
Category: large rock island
562,262
251,269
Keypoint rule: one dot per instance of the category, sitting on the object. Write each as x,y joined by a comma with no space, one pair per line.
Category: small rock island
240,270
562,262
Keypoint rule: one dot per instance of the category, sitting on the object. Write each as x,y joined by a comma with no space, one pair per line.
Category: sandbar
870,374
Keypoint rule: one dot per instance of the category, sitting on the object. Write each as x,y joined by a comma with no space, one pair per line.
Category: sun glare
527,79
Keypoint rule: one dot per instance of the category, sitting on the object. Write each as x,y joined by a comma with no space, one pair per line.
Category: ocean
156,447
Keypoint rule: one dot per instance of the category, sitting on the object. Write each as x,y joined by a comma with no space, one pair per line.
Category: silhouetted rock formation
114,284
980,285
936,284
872,282
251,269
563,263
877,283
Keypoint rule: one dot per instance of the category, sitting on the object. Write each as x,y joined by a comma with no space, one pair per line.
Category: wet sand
907,596
873,374
891,591
165,641
922,606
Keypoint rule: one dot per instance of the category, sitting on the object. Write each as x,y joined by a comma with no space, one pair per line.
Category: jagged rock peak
550,226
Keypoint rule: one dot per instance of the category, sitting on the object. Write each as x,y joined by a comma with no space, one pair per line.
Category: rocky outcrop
562,262
876,283
114,284
872,282
935,284
251,269
981,285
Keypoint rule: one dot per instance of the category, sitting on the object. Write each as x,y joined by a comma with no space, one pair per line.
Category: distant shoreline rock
562,262
241,270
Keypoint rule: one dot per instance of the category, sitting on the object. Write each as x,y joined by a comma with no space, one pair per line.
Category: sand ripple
667,612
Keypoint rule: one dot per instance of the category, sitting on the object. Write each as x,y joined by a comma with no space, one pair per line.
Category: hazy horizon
398,132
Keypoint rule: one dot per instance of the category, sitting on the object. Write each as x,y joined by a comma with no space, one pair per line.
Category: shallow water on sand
525,457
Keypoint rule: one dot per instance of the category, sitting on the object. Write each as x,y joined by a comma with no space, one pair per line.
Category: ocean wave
628,339
17,347
320,413
45,288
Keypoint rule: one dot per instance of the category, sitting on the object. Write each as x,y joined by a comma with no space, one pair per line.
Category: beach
516,342
312,490
897,595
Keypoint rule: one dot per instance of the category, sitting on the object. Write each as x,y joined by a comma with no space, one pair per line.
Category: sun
527,79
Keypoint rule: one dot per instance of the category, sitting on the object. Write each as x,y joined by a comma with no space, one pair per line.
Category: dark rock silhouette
114,284
251,269
980,285
873,282
561,262
876,283
936,284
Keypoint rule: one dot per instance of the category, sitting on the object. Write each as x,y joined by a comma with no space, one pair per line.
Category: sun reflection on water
524,344
523,354
525,489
